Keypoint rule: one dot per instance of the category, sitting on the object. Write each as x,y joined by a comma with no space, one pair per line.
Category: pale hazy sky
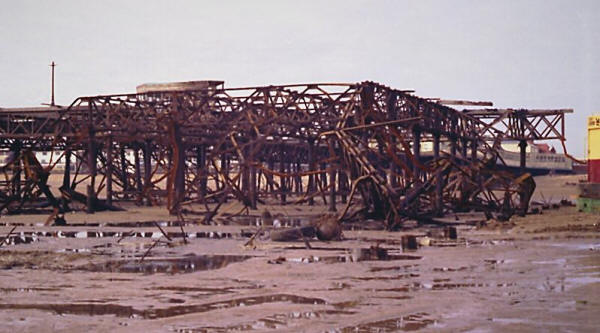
522,54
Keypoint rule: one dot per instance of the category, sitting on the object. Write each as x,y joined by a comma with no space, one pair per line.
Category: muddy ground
111,272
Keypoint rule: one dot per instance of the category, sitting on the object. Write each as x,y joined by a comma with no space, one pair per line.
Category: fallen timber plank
460,218
99,205
292,234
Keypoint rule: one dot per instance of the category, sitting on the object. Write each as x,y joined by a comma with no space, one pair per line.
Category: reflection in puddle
170,265
450,269
33,236
450,286
28,289
412,322
400,298
213,291
138,224
559,261
581,280
384,278
78,250
94,309
203,292
392,268
499,261
396,290
445,284
340,286
577,247
356,255
346,258
276,321
525,324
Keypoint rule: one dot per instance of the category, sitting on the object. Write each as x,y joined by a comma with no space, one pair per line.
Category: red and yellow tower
594,149
589,193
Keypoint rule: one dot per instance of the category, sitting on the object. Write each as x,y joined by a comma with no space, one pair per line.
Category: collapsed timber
356,144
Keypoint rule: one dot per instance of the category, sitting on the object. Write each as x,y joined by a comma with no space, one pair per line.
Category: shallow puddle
412,322
28,289
94,309
169,265
392,268
212,291
352,255
348,258
275,322
578,247
139,224
32,236
384,278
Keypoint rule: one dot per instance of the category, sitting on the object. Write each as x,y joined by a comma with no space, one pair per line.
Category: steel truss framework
301,143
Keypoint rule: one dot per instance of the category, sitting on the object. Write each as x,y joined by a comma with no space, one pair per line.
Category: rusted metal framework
305,143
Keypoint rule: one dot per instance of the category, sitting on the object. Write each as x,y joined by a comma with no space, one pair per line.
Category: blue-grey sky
525,54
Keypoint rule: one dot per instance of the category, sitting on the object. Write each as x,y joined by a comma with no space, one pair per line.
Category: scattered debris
7,235
409,242
328,227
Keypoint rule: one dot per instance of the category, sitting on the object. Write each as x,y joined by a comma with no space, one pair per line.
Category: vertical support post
298,170
438,177
225,171
323,175
453,148
282,180
523,156
311,167
453,139
259,181
66,177
523,168
176,177
67,173
332,172
138,171
293,179
253,183
342,186
91,162
289,180
124,169
109,171
179,181
245,170
19,176
464,149
221,182
148,169
147,164
392,115
416,132
473,150
170,176
269,176
417,155
15,151
201,171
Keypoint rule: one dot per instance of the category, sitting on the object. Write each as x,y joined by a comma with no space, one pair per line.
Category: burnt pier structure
356,148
